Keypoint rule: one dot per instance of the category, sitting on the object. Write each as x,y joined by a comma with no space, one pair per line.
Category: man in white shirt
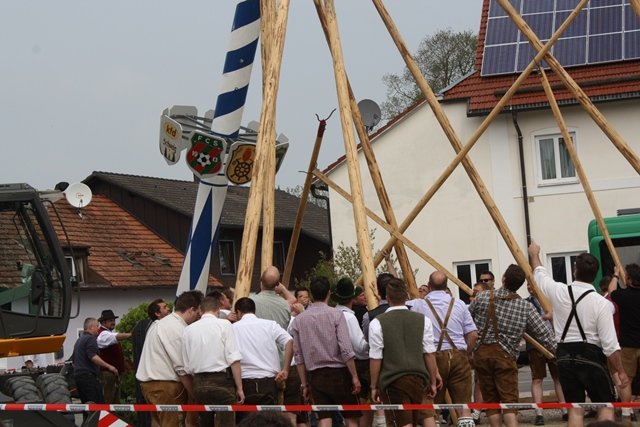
583,323
162,372
259,341
110,350
210,351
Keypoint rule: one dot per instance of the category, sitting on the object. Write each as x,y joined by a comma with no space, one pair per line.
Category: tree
442,57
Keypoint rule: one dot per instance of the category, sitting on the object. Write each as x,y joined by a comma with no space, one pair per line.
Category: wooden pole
488,201
266,131
362,229
267,28
376,175
581,173
575,89
297,226
497,109
636,6
418,251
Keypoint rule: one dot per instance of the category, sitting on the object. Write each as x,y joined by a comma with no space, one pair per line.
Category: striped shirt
321,338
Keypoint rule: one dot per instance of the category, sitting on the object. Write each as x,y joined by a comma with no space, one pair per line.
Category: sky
83,82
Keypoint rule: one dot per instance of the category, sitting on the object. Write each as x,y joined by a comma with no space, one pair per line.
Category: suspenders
573,313
444,333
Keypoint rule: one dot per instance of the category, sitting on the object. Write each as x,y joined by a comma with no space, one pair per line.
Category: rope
72,407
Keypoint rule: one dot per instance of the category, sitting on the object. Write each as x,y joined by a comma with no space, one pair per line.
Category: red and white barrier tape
72,407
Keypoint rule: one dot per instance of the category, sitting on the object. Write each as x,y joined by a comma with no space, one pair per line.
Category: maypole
212,189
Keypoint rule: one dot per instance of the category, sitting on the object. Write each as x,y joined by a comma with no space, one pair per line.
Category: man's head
488,278
302,296
396,292
210,304
381,284
438,281
586,268
604,285
91,325
157,309
108,319
270,278
319,288
633,275
345,292
187,306
477,288
245,306
423,290
513,277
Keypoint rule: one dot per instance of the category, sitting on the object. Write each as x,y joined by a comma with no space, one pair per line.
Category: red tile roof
601,82
122,251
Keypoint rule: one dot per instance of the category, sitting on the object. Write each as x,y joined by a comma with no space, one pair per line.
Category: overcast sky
83,82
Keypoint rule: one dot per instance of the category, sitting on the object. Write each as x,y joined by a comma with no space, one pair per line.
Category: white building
455,228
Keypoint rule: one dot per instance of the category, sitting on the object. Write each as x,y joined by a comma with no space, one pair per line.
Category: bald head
438,281
270,278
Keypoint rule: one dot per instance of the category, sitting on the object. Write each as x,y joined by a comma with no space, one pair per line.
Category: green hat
345,291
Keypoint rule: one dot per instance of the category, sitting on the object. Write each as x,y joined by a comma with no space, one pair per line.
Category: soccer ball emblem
204,159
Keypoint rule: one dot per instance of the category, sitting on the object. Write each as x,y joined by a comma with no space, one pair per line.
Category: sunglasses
485,280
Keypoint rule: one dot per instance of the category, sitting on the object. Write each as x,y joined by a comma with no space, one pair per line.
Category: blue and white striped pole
226,123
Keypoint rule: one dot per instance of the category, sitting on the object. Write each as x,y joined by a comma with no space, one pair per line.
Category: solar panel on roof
604,31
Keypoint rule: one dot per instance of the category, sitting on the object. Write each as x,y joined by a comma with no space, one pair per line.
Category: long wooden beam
302,205
581,172
265,132
355,180
268,14
376,175
636,6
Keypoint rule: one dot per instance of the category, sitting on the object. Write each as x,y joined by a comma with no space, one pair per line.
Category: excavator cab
35,283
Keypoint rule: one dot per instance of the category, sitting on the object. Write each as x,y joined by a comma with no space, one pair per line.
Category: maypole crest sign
171,142
206,155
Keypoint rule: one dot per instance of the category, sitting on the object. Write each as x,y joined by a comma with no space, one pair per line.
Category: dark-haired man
162,373
156,310
259,342
502,318
210,351
324,355
583,324
402,358
488,278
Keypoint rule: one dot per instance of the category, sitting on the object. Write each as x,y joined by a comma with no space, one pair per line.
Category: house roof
601,82
180,196
122,252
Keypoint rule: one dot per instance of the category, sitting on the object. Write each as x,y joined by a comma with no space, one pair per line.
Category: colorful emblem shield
205,156
240,162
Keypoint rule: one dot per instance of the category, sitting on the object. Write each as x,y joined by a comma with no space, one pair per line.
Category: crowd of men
404,351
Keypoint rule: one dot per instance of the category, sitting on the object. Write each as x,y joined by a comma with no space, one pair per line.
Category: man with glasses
488,278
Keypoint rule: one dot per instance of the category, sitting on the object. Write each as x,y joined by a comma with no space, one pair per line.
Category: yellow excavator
36,292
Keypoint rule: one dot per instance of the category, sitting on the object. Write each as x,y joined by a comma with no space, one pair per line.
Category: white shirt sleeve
106,339
427,337
281,336
358,342
376,342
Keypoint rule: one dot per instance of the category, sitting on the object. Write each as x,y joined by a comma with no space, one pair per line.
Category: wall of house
455,227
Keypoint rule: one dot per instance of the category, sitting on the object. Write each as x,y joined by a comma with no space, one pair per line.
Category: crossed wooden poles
273,25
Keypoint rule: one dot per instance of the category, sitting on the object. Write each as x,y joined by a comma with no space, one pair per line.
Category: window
562,266
278,255
227,255
555,165
76,267
469,272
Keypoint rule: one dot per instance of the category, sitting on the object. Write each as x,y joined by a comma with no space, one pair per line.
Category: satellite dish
78,195
370,112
